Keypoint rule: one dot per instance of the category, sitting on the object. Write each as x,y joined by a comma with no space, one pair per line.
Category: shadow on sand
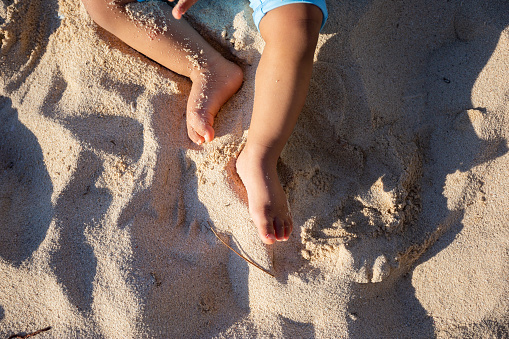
436,105
25,189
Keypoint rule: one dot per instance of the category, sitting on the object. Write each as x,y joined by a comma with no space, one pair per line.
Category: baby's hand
182,7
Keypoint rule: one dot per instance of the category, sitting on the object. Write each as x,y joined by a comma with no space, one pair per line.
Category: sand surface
397,176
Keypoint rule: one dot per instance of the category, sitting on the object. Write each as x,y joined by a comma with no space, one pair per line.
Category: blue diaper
261,7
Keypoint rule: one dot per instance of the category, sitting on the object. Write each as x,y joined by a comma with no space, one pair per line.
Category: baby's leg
282,81
181,49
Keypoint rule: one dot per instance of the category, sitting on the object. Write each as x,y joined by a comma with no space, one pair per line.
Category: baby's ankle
214,68
260,155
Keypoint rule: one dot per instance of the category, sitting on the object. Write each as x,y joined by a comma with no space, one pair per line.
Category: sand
396,175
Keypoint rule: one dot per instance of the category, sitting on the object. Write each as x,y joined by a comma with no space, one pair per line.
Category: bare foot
212,86
267,201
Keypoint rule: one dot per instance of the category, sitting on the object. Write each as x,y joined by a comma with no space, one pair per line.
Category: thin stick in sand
29,334
237,253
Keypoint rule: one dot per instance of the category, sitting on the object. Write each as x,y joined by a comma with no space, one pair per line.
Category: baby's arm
181,49
282,80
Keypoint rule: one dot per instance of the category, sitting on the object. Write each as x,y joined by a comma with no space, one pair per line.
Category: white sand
396,175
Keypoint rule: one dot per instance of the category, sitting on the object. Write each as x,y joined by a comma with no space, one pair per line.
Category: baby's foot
212,86
267,201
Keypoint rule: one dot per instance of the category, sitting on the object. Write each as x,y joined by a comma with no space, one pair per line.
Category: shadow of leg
80,209
25,189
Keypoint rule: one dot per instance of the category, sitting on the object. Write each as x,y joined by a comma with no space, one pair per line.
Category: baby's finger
182,7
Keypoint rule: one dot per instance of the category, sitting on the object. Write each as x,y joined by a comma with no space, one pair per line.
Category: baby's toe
208,134
279,229
201,127
195,137
265,230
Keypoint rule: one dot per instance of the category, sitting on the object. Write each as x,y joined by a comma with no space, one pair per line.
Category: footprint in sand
367,213
23,40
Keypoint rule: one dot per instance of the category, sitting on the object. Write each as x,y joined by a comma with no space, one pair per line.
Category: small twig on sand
237,253
14,336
